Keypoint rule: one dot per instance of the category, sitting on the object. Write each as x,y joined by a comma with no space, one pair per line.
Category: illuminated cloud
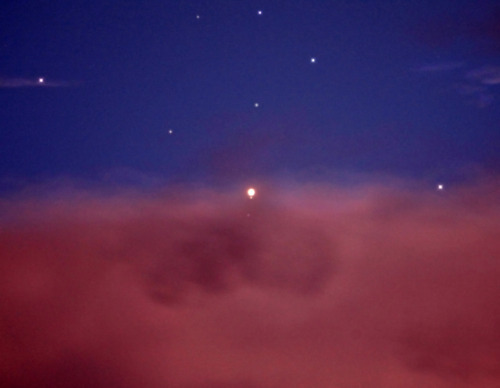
486,75
477,85
372,286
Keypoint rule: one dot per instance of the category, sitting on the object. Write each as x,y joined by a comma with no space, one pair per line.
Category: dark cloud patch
454,350
74,371
377,285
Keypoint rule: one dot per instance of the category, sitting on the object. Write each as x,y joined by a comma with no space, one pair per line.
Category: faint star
313,60
256,104
197,16
259,12
170,131
41,80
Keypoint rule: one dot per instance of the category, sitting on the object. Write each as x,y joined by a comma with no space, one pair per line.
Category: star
259,12
251,192
41,80
170,131
313,60
197,16
440,186
256,104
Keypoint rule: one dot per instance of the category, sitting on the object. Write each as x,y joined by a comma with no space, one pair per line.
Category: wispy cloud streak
486,75
477,84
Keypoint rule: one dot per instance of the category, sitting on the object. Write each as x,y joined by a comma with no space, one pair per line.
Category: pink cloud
318,287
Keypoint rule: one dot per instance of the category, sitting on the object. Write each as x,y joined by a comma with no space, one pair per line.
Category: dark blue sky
397,88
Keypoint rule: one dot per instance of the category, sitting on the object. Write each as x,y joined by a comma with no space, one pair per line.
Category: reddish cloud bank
318,287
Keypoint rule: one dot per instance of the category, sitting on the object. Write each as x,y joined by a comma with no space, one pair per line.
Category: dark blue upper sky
396,88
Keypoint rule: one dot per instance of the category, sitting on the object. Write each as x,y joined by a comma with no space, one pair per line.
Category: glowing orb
41,80
251,192
256,104
313,60
259,12
440,187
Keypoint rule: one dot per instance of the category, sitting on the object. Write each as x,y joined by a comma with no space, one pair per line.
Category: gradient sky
396,88
130,254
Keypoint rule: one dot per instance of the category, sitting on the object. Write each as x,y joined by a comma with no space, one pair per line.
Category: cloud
318,286
7,83
486,75
476,85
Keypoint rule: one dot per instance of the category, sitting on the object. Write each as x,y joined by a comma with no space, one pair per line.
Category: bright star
41,80
251,192
440,186
313,60
259,12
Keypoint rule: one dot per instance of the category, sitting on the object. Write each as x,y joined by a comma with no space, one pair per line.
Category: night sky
131,254
395,88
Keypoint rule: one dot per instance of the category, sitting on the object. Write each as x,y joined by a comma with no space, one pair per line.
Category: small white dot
256,104
440,187
170,131
41,80
197,16
259,12
313,60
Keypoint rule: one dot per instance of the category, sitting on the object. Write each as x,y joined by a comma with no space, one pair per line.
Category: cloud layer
314,287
